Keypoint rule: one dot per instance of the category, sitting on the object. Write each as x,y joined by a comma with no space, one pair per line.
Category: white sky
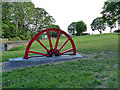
67,11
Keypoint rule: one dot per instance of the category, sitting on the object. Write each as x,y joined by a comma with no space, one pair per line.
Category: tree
5,30
111,13
21,17
6,10
8,29
98,24
72,28
37,18
41,19
80,27
49,20
17,15
53,26
113,0
53,33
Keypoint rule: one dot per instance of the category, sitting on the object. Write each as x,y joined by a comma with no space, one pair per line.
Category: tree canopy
98,24
72,28
110,16
80,27
54,33
20,19
111,13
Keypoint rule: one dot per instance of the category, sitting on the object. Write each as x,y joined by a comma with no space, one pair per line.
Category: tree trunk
36,26
100,31
118,24
81,34
16,22
110,30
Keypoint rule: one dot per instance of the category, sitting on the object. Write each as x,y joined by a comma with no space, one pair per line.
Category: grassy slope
96,43
98,71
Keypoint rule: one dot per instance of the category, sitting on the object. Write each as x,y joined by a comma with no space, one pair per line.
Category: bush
25,37
33,33
15,39
40,37
22,37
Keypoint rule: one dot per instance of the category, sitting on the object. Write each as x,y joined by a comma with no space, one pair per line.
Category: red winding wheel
52,51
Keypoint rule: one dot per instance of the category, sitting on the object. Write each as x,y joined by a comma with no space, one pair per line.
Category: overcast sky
67,11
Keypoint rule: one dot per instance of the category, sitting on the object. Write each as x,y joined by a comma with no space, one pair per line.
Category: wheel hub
53,53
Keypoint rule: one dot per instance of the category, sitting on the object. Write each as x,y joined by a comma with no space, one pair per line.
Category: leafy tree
98,24
28,16
21,17
32,33
72,28
80,27
53,26
112,0
5,30
37,16
110,13
48,21
8,29
41,19
6,10
14,12
26,36
53,33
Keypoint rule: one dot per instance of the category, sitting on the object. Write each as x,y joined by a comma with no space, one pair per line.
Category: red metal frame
43,46
57,40
51,47
49,41
38,53
63,45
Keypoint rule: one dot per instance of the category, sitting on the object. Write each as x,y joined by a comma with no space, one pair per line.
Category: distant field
99,71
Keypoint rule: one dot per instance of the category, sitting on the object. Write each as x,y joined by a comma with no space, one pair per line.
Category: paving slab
37,60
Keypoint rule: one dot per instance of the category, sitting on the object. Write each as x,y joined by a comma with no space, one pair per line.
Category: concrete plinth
37,60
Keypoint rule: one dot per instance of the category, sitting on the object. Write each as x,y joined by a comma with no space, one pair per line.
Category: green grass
95,73
99,71
85,44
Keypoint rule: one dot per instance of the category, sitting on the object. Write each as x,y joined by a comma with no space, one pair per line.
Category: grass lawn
99,71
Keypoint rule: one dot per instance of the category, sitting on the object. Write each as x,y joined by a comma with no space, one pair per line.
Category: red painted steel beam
65,51
63,45
38,53
43,46
57,41
28,47
49,41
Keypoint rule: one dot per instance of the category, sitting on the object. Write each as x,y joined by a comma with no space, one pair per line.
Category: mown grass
85,44
94,73
99,71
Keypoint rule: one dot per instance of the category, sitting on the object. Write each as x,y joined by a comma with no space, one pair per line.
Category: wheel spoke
65,51
43,46
63,45
57,41
50,41
38,53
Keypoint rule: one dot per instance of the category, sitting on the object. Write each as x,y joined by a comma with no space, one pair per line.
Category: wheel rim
52,51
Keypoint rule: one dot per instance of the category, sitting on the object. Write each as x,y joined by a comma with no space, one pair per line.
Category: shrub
22,37
15,39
